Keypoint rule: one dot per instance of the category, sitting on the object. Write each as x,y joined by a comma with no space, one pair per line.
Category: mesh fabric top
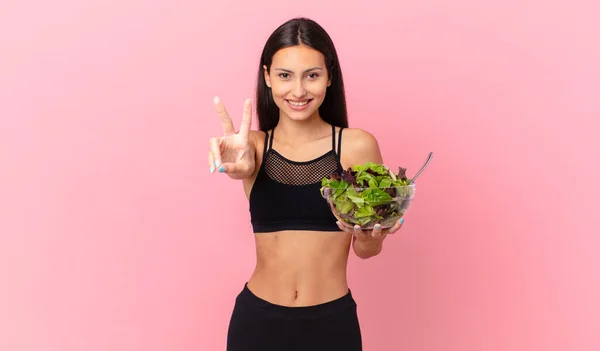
286,194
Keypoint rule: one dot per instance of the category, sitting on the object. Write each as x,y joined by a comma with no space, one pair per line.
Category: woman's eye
287,75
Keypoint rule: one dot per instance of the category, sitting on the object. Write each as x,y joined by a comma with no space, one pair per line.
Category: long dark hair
302,31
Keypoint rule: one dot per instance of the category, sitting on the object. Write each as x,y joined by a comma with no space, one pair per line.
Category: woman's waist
294,289
300,268
305,270
277,307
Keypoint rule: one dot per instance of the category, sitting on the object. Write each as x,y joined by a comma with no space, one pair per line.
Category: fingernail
217,163
216,100
377,226
212,169
401,220
356,228
221,169
338,223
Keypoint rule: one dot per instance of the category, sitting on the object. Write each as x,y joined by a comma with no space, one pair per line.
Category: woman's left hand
375,233
368,243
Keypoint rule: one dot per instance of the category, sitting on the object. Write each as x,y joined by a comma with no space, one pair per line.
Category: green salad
368,193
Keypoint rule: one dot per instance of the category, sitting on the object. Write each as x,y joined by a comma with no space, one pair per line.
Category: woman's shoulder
359,146
359,137
257,139
257,134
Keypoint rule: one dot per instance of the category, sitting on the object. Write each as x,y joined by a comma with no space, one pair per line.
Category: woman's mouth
298,105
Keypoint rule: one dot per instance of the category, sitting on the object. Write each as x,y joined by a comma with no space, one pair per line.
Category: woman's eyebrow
290,71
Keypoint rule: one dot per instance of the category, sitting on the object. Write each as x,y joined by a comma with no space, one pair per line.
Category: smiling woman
299,64
298,295
302,91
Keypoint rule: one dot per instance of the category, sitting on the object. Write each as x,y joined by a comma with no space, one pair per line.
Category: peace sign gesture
233,152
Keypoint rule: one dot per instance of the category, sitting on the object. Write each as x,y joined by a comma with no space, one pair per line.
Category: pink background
114,236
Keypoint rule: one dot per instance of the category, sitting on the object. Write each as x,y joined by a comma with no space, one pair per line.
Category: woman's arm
359,147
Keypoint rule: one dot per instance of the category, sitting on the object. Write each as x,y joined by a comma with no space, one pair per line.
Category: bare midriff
300,268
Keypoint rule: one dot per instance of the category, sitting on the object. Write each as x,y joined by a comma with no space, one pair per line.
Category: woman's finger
358,231
226,122
344,228
215,149
246,119
396,226
211,162
376,233
235,167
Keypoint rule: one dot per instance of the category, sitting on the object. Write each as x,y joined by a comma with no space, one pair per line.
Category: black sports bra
286,194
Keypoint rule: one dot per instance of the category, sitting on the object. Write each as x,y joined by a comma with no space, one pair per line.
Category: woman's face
298,80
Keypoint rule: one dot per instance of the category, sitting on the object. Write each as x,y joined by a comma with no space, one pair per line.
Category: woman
297,297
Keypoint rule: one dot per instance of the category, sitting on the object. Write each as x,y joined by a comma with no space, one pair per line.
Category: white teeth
298,103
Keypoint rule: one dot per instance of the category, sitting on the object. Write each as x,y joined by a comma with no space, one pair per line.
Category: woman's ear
267,78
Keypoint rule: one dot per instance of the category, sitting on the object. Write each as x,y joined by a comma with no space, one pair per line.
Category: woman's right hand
232,153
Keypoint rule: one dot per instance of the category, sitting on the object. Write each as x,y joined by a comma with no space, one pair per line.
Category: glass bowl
369,206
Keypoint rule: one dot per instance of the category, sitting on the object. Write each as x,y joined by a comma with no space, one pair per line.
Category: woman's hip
257,324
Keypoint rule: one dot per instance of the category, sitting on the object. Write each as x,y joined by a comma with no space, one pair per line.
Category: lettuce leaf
368,193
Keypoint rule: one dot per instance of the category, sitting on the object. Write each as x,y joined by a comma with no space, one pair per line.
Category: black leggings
258,325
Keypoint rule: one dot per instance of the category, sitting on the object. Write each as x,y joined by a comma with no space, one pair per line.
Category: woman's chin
300,116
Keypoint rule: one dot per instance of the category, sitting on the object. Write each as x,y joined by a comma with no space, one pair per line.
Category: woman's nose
299,90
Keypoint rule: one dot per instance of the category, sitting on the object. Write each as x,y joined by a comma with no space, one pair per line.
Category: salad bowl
367,195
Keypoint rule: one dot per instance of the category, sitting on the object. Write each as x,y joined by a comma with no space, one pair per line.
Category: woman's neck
297,132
